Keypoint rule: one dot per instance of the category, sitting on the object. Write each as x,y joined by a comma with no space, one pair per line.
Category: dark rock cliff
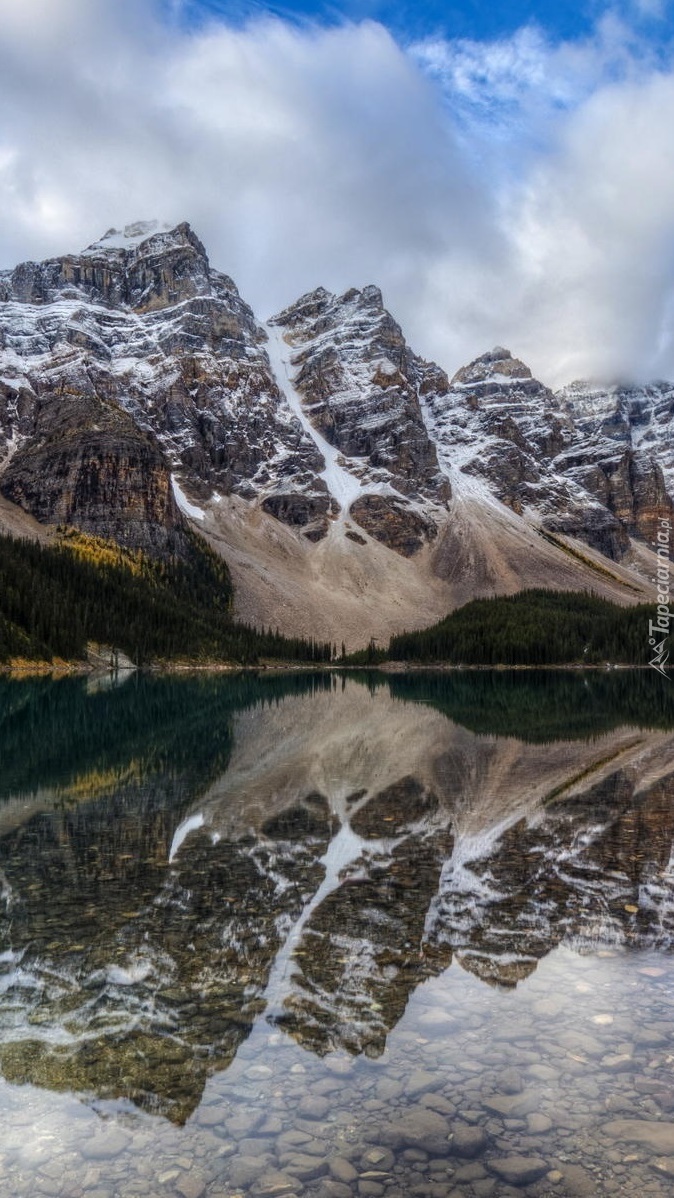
88,465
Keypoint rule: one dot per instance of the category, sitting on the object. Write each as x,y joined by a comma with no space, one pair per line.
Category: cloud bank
518,192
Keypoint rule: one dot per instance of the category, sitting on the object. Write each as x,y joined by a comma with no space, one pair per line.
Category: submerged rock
419,1128
468,1141
519,1170
658,1136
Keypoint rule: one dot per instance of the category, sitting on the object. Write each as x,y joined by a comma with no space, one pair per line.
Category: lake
333,935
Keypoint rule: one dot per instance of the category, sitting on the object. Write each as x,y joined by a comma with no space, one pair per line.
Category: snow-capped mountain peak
130,237
497,364
136,359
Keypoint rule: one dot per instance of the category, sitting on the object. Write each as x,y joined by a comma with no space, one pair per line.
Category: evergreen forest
531,628
57,598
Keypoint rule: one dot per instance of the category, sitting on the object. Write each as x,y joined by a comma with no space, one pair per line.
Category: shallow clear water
323,936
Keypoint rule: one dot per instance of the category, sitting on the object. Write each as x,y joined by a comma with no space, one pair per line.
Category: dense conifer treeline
533,628
55,599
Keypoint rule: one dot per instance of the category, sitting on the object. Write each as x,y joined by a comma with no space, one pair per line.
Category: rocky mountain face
138,389
360,385
88,465
587,471
624,453
137,332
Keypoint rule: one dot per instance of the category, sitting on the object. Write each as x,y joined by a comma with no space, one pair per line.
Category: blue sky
504,172
475,19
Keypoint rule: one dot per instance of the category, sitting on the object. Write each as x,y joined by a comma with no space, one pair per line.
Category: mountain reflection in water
182,860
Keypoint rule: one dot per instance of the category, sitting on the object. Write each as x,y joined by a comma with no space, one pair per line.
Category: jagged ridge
135,361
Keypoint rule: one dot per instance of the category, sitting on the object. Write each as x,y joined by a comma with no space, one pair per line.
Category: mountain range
353,488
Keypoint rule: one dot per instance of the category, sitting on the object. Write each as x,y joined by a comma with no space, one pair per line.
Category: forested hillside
56,599
533,628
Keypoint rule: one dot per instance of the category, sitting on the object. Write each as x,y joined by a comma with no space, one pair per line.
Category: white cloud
300,157
594,232
514,192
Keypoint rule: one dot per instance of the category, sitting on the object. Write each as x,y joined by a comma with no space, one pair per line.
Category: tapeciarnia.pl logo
658,629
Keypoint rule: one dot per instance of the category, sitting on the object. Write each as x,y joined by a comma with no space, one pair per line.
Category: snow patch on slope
187,508
341,484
